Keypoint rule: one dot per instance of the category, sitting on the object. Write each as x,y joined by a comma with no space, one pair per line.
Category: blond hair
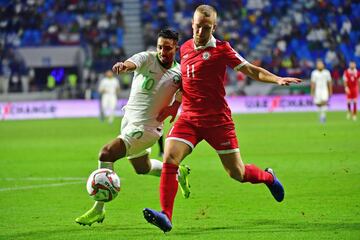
206,10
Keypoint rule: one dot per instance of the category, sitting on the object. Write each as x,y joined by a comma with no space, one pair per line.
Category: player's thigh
184,131
105,101
321,98
321,103
175,151
180,141
233,165
353,95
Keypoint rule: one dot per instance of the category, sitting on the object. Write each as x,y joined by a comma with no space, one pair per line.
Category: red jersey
352,77
203,75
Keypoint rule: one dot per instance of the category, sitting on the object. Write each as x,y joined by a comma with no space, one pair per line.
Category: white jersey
153,88
109,86
321,80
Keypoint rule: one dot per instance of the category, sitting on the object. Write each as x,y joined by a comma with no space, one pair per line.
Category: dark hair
170,34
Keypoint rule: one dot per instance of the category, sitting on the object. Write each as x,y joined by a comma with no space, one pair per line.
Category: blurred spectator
73,84
331,57
357,50
48,22
5,74
317,29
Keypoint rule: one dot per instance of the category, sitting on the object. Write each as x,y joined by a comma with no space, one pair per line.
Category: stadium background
60,49
53,54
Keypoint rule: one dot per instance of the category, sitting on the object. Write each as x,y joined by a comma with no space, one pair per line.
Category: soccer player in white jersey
109,88
321,88
157,79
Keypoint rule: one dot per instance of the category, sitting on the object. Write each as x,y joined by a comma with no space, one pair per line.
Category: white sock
323,110
156,167
100,206
108,165
111,118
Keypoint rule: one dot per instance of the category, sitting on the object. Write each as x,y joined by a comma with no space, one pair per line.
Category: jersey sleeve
101,85
233,59
345,79
139,59
328,76
312,78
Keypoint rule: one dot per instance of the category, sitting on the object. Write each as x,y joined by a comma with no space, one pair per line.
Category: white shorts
138,138
108,103
321,97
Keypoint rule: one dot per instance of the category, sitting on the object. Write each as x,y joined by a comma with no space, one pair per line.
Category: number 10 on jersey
148,83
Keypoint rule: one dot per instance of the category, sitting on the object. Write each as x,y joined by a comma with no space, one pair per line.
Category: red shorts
353,94
221,138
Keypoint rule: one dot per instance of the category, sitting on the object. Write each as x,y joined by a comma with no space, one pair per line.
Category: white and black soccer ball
103,185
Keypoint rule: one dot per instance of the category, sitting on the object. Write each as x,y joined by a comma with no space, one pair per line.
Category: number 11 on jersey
190,70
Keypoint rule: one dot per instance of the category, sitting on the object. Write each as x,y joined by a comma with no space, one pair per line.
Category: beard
199,41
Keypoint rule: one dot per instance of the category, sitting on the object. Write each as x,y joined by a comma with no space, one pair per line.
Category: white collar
353,70
210,43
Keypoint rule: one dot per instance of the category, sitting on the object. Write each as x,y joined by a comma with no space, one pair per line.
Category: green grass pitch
44,165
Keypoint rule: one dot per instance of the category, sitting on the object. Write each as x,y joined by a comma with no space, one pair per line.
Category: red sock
168,188
349,106
355,108
254,174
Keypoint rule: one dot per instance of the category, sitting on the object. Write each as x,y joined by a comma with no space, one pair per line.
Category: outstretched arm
263,75
123,67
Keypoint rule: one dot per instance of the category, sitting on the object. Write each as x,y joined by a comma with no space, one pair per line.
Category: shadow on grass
144,231
78,232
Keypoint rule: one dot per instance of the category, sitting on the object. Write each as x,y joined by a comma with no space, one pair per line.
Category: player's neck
204,45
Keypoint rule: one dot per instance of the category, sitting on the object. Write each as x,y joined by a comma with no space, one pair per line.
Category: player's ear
214,28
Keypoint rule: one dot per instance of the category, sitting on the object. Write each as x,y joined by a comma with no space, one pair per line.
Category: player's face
352,65
166,50
109,74
320,65
203,27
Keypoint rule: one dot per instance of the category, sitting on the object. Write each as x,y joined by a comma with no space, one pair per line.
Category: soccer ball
103,185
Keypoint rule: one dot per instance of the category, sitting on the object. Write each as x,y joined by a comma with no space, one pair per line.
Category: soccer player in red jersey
351,82
206,115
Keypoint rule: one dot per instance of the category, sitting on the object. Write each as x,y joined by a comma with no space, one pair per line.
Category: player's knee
236,174
106,155
171,158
